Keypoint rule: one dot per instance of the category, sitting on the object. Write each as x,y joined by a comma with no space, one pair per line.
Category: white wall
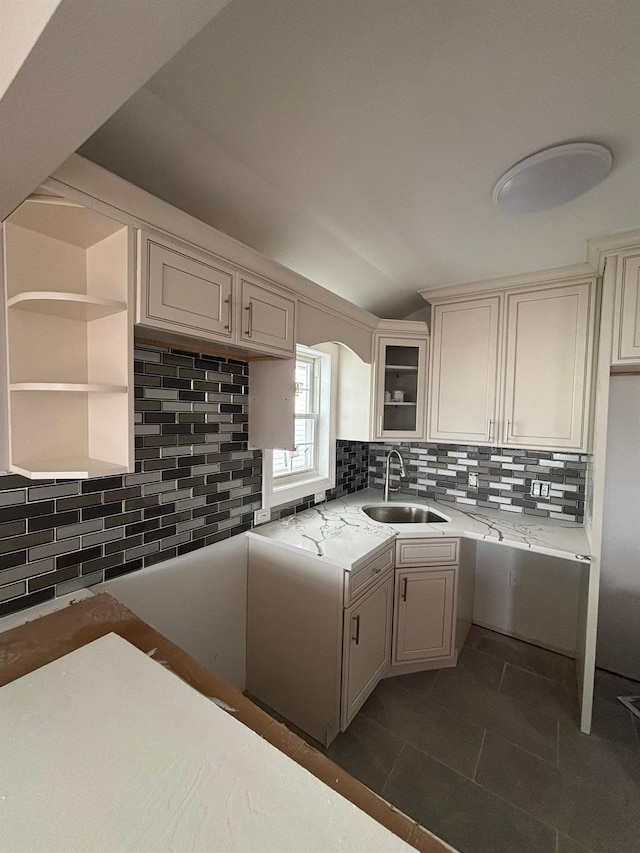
82,66
542,609
619,615
199,601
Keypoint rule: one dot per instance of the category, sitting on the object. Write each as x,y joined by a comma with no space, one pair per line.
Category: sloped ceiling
358,141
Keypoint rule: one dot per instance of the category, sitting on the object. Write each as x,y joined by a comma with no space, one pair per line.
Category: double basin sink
403,514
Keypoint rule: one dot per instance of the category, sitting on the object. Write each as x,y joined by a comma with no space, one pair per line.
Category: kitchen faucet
403,473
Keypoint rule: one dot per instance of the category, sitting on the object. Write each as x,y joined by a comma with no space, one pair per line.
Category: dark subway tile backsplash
505,476
59,536
196,483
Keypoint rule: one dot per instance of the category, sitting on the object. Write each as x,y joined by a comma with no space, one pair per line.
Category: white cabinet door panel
547,375
464,371
366,646
626,329
268,318
424,614
189,293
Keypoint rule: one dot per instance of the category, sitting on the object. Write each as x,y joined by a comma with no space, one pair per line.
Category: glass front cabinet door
400,389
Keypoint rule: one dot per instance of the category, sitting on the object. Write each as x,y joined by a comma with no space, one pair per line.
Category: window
310,468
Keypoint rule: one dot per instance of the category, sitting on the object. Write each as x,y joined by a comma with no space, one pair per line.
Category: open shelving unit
69,285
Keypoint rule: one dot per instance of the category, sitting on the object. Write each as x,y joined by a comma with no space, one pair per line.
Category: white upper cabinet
547,361
626,321
184,289
69,274
266,316
187,291
463,383
385,400
399,387
513,368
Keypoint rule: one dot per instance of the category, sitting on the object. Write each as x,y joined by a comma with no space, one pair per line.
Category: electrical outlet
514,578
319,497
261,515
540,489
473,479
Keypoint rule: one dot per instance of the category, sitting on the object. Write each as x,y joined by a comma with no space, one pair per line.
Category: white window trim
274,495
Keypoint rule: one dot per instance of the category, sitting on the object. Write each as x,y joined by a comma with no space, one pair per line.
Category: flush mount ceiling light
552,177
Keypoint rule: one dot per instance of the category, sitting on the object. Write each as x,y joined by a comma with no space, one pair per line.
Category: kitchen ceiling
358,141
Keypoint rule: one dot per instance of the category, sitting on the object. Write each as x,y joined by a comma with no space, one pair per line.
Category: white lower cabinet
366,646
318,637
433,602
424,614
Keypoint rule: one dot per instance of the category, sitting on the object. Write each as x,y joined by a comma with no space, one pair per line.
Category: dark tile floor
489,757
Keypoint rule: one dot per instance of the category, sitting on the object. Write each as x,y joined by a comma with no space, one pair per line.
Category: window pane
303,457
304,387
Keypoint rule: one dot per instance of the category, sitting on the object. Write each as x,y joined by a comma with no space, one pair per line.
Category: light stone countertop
340,533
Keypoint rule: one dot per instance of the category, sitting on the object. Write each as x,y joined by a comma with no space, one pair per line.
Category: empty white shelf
400,368
399,404
71,468
72,306
75,387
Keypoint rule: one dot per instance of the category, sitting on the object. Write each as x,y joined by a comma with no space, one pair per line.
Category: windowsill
300,490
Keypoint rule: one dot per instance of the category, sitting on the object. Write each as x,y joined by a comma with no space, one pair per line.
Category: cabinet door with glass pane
400,389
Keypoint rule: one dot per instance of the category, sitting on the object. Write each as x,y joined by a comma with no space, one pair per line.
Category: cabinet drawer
426,552
361,579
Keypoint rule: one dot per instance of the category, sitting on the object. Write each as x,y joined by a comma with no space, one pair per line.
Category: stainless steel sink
402,514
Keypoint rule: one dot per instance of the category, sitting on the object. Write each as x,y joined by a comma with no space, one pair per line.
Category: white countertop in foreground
341,533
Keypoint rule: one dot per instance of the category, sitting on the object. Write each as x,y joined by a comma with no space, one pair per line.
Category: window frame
277,491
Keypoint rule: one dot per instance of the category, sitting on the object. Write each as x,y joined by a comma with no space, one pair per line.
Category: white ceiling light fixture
552,177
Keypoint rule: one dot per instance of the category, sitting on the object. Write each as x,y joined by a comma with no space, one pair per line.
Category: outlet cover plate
540,489
319,497
261,515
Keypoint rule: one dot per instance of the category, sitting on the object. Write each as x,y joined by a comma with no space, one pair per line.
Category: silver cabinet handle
227,325
356,639
404,588
249,308
489,429
508,430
